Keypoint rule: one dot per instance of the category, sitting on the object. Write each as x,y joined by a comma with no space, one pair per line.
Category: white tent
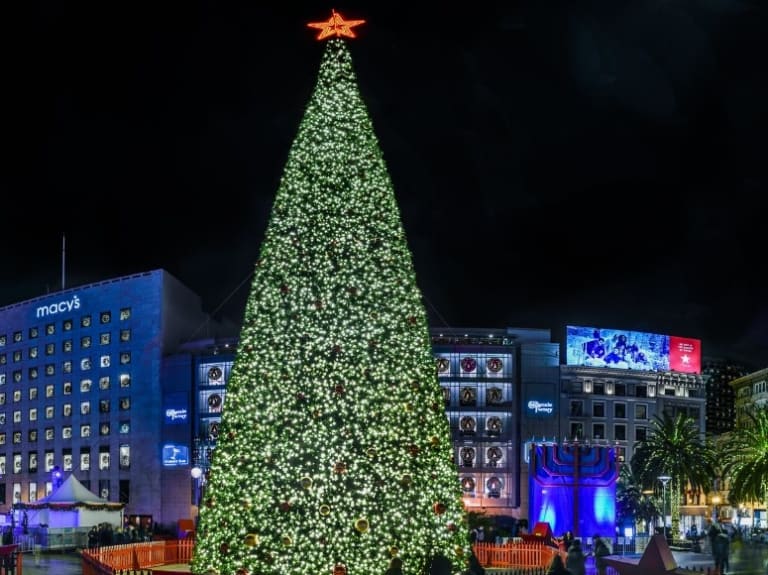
72,505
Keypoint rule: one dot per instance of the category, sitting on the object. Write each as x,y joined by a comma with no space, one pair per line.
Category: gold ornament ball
362,525
287,540
325,510
247,502
306,482
251,540
393,551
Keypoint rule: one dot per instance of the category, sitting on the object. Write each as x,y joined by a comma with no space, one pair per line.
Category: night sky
590,163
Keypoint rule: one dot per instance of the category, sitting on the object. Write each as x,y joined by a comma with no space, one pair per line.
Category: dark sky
591,163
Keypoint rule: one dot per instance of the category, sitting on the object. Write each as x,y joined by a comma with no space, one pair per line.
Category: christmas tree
334,453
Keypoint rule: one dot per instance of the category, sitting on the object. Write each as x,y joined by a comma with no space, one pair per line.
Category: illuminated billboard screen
638,350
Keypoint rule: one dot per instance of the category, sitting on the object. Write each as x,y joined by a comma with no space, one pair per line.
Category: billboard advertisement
638,350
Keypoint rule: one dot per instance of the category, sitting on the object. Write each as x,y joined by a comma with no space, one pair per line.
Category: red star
336,26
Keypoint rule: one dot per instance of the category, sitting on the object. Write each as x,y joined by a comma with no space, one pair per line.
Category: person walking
601,549
395,567
720,550
556,566
575,559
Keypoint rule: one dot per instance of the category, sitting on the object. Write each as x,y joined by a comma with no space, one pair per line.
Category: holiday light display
334,452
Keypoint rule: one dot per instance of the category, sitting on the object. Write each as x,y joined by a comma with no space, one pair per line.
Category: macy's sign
54,308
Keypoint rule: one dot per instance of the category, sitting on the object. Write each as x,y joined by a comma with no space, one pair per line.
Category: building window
105,338
2,398
577,430
66,345
125,427
49,412
85,342
66,432
85,321
577,408
105,317
32,436
85,459
50,348
125,335
67,388
103,458
85,364
598,409
17,463
103,406
66,367
85,407
33,414
125,358
50,329
104,361
85,385
50,369
32,352
33,332
125,380
32,393
598,431
17,337
125,491
49,435
67,410
33,373
598,388
125,403
17,437
17,416
17,356
104,429
620,432
3,340
33,461
641,411
125,456
85,431
104,488
125,313
641,433
66,325
16,396
104,383
620,410
66,460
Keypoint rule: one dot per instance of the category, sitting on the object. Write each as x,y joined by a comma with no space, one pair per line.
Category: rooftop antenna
63,260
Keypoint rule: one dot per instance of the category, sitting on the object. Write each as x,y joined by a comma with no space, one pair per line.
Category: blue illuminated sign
175,455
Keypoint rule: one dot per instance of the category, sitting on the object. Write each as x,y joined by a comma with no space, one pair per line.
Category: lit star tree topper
335,26
334,452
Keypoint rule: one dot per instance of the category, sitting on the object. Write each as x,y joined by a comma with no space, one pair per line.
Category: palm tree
631,501
745,459
677,448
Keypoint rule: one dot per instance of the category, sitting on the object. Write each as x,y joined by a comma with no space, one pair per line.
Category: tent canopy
71,493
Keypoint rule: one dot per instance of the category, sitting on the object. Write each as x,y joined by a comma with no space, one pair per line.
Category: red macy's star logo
335,26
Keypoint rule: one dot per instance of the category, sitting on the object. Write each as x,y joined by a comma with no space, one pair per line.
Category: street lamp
664,480
716,508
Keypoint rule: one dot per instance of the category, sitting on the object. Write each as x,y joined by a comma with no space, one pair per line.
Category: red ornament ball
224,548
439,508
285,506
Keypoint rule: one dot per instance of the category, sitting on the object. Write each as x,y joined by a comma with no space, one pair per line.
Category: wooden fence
514,554
133,556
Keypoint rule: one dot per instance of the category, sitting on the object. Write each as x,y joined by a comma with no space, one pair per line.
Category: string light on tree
334,429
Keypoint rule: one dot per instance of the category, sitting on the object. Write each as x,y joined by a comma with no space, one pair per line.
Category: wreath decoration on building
467,423
494,364
443,363
468,364
494,425
214,401
468,484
